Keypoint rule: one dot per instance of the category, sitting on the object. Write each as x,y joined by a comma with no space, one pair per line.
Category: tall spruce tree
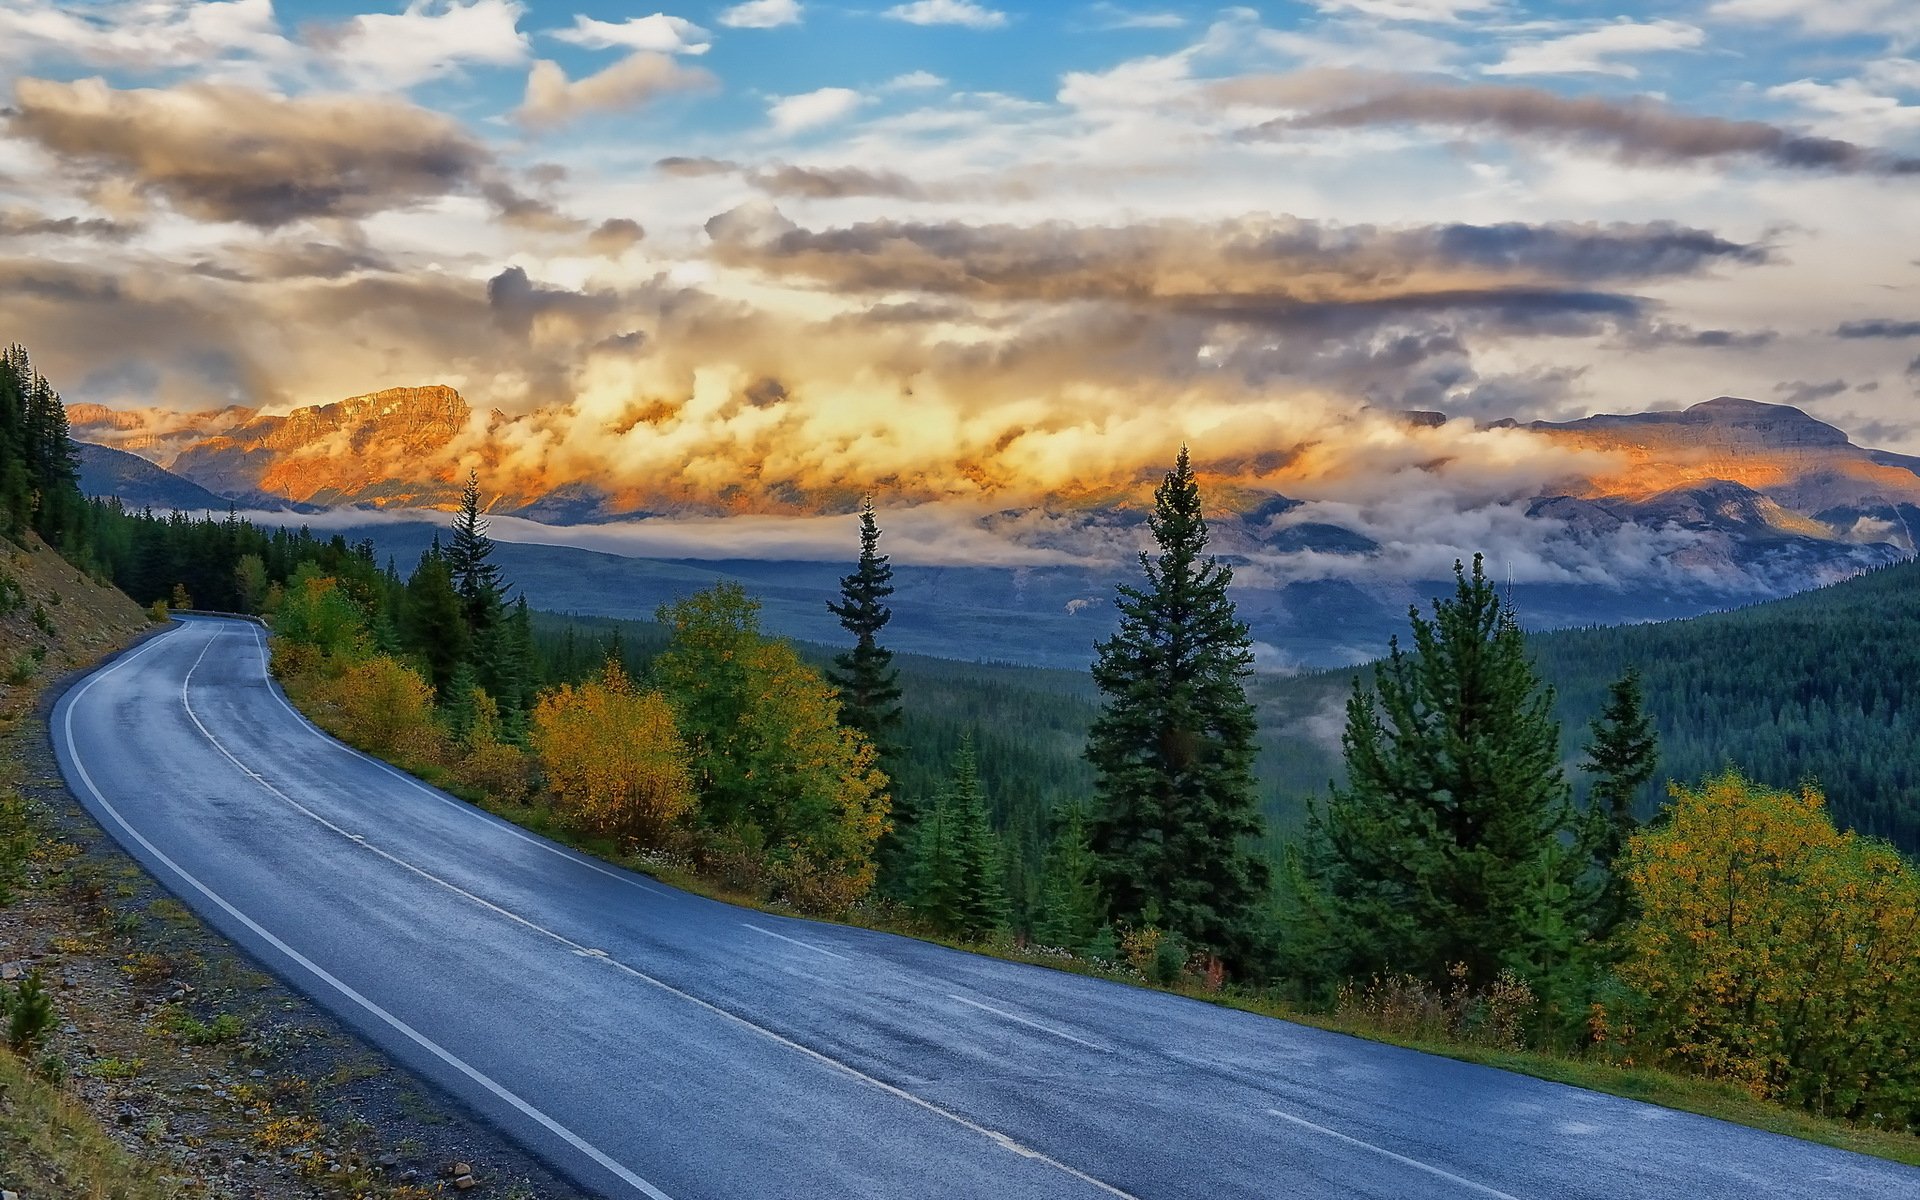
869,686
1173,747
1448,842
1622,754
870,690
958,884
1070,910
476,579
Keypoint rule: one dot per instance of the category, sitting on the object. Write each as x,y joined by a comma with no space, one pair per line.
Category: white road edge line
1015,1017
1402,1159
796,941
995,1136
434,1048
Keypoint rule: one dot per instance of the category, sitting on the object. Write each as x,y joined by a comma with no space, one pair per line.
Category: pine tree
1622,755
1173,748
958,884
1070,907
475,578
1444,845
869,685
433,626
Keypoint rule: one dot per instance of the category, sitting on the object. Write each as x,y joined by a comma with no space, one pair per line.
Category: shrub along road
653,1043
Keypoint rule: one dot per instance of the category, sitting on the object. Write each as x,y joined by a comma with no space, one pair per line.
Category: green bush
29,1014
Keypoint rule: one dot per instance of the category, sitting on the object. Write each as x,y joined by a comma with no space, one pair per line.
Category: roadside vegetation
1737,953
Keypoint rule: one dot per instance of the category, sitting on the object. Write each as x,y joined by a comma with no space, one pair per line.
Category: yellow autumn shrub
1773,950
384,707
614,758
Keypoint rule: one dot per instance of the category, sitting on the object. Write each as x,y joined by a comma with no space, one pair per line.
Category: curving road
652,1043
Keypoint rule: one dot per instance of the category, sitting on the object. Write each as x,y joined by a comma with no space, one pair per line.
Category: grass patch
53,1147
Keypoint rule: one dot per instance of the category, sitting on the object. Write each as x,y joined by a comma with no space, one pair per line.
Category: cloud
694,168
1800,392
810,110
1449,12
1878,327
1595,51
832,183
1253,268
914,81
658,34
1115,16
227,153
553,100
143,34
615,236
964,13
1634,130
762,14
1831,18
426,40
24,223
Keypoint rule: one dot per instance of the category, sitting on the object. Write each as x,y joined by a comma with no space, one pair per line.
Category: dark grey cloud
221,152
1878,327
1255,269
1801,392
833,183
26,223
1635,130
1660,333
694,168
517,302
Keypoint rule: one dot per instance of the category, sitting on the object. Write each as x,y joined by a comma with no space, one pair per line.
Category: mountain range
1673,513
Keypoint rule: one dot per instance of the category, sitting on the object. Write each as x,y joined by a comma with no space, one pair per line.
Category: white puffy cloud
948,12
1898,19
809,110
762,14
143,34
427,39
659,34
1597,51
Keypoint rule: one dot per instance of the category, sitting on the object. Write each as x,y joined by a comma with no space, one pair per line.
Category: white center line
997,1137
1415,1163
796,941
1018,1019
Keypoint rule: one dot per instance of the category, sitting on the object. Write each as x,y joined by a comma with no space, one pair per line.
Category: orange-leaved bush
614,758
1773,950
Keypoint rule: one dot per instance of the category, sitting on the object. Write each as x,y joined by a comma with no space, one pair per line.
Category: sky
968,248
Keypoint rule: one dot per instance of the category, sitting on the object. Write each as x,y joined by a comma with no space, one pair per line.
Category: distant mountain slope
1824,685
105,471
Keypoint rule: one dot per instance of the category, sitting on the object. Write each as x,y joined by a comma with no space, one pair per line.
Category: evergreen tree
958,884
1173,748
1446,843
1070,906
1622,755
869,686
433,626
475,578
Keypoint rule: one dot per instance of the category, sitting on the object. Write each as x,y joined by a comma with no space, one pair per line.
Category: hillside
53,617
137,483
1824,685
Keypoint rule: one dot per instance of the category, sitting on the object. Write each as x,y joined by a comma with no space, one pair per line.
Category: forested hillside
1823,686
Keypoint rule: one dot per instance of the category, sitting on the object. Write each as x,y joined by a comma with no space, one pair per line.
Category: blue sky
964,247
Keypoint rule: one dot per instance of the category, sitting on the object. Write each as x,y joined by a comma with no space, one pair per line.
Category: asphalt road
652,1043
